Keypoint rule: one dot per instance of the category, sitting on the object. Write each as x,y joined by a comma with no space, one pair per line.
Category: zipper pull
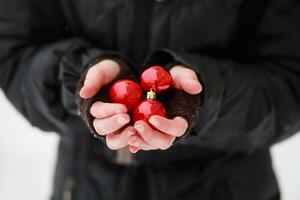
68,188
125,157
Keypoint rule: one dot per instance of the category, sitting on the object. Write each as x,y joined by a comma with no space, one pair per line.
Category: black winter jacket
246,52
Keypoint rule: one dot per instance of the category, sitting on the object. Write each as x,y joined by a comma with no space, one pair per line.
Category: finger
133,149
191,86
111,124
119,139
186,79
175,127
93,81
153,137
97,76
138,142
103,110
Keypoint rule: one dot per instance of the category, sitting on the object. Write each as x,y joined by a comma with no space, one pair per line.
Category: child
235,65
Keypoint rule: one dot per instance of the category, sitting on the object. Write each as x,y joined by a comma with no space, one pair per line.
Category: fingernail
129,134
154,122
139,128
81,91
192,81
122,120
199,85
119,111
133,149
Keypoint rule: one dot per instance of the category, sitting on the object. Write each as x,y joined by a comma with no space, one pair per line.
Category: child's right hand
109,117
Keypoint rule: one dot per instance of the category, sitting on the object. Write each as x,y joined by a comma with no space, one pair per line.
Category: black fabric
246,54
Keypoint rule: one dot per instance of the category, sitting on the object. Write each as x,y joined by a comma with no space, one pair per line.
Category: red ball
126,92
147,108
156,78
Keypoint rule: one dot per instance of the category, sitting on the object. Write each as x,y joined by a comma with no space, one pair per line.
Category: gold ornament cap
151,95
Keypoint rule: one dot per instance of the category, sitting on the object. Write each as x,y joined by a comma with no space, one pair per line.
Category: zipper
141,30
125,157
68,188
138,50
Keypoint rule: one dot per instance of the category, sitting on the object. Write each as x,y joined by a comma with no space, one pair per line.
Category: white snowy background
28,156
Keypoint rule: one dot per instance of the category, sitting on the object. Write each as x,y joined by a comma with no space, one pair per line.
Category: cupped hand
165,131
185,79
110,118
97,76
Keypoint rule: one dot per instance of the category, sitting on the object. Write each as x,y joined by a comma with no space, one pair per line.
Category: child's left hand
167,129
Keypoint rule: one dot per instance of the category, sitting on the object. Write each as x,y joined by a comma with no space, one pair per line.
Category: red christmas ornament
156,78
126,92
147,108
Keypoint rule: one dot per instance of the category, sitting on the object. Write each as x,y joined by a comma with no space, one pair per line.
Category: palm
166,129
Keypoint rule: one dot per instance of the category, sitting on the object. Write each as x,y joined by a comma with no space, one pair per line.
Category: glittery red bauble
126,92
147,108
156,78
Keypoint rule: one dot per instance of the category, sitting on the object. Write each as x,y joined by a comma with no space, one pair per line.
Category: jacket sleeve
36,53
251,101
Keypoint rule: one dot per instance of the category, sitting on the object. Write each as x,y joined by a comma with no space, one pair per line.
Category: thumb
186,79
97,76
191,86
